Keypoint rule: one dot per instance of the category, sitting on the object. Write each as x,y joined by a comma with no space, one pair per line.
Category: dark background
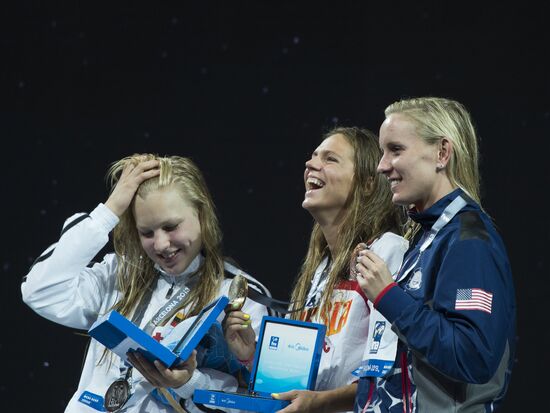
246,89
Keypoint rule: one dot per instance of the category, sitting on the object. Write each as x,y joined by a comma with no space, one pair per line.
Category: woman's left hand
372,274
239,334
161,376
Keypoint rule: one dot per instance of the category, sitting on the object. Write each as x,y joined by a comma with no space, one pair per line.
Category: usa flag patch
473,299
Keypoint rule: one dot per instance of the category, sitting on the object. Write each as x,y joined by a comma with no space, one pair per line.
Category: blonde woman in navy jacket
451,307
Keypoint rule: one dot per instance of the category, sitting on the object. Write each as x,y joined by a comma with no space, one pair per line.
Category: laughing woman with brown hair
350,204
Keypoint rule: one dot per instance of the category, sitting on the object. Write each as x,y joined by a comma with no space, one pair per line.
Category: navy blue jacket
458,351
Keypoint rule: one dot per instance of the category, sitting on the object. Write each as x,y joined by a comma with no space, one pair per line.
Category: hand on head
133,175
161,376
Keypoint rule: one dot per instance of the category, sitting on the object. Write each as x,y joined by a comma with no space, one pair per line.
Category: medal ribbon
280,306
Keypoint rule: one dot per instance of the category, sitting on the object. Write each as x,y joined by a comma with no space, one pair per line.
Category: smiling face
169,229
328,177
414,168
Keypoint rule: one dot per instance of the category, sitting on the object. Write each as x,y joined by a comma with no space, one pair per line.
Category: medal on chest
117,395
118,392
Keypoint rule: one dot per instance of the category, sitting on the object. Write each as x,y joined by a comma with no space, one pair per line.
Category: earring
439,167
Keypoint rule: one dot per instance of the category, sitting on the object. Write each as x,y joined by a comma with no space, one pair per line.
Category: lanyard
318,283
171,307
165,312
447,214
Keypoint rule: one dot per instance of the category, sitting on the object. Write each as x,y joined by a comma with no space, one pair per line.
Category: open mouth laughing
313,184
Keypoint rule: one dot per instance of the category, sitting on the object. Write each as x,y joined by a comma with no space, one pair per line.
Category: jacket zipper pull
170,291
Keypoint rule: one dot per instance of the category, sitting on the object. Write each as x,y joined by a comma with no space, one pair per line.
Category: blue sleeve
466,345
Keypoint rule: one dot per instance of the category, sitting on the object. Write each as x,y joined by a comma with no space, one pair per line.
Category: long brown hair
369,213
135,270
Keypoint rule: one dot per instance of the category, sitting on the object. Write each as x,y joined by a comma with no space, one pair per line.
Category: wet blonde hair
437,118
369,212
135,270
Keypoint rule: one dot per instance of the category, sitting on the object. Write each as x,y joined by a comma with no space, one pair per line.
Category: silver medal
117,395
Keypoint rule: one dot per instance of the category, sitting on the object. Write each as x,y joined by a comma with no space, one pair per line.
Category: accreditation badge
381,349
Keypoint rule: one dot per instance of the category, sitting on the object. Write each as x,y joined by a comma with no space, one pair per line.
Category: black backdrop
246,89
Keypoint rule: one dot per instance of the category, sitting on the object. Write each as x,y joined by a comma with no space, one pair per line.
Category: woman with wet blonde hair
134,280
449,314
166,267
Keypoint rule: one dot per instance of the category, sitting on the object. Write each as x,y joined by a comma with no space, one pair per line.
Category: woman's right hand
131,178
353,260
240,335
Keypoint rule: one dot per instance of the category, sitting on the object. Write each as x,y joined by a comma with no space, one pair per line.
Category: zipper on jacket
171,290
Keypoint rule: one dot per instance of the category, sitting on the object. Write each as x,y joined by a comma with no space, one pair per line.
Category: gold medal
238,290
117,395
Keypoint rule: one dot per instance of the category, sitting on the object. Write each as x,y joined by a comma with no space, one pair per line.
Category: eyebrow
393,142
326,152
170,221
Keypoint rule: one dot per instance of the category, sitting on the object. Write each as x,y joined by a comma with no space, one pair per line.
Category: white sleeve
391,248
60,286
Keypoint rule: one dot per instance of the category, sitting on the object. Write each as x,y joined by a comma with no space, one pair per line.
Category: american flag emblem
473,299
